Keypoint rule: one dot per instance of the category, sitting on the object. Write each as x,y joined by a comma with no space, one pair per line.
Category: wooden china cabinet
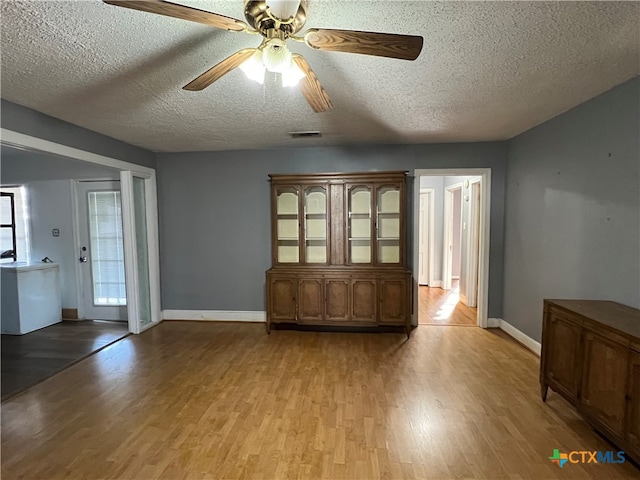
339,250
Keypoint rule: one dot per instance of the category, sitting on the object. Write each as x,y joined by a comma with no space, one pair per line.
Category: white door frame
485,217
28,142
430,193
473,237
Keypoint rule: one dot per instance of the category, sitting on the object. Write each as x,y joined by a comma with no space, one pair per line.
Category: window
14,222
107,254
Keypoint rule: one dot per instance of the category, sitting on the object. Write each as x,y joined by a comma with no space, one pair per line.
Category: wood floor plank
212,400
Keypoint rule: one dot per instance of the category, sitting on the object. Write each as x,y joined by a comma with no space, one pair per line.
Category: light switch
55,232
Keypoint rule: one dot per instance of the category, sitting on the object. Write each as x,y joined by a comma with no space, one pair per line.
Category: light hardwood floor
442,307
213,400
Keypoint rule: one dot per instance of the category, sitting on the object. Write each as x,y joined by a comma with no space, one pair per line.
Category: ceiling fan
278,21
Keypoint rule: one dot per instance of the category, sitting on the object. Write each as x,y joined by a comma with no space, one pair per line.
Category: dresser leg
543,391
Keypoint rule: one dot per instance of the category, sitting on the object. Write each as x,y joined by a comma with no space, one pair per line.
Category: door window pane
142,251
107,256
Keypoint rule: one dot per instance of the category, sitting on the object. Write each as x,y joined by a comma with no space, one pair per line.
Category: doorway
139,228
101,250
454,292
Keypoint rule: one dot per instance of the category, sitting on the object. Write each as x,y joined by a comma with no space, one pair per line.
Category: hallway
442,307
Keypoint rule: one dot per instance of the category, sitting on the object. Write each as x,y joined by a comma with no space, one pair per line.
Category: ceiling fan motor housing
258,16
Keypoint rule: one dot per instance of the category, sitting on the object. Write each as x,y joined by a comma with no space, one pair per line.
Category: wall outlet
55,232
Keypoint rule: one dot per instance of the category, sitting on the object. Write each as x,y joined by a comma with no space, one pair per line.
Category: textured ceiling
488,71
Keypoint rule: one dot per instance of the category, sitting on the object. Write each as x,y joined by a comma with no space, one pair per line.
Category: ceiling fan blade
183,12
221,69
405,47
311,88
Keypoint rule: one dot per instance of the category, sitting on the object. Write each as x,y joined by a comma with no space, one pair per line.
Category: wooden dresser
591,356
339,250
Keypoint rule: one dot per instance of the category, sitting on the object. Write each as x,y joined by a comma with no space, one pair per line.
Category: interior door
474,246
423,251
101,252
140,233
447,256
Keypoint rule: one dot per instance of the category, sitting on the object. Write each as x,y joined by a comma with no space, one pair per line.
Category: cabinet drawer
556,313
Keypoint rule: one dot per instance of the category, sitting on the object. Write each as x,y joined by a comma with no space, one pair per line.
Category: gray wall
20,166
24,120
215,214
49,208
572,209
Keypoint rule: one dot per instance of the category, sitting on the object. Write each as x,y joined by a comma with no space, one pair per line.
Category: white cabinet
30,297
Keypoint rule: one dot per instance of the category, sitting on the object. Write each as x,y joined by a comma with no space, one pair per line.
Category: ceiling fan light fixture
283,9
292,76
253,68
276,57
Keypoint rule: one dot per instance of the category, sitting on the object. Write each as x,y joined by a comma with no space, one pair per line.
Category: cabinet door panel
283,301
388,207
311,300
392,302
363,300
337,303
315,224
359,227
604,381
633,403
286,224
564,348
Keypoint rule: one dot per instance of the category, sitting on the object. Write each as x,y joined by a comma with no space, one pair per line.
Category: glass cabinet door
315,224
359,243
287,225
388,224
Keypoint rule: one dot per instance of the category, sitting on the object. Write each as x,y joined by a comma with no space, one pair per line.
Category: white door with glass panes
101,250
140,234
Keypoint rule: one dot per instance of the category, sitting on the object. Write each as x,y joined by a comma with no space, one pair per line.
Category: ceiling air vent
305,134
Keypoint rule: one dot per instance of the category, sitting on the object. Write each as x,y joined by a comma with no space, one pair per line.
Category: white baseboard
436,284
493,323
523,338
215,315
